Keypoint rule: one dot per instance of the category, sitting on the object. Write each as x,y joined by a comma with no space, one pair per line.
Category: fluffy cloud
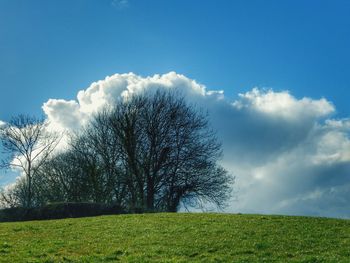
72,114
288,154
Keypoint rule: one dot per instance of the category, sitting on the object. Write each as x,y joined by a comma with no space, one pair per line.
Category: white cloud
72,114
2,123
64,114
288,154
120,4
282,104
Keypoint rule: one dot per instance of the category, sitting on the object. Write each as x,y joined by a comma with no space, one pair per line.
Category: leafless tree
61,179
27,145
88,171
168,153
13,195
100,139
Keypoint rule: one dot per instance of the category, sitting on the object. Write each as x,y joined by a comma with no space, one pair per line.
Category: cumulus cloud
64,114
71,115
289,155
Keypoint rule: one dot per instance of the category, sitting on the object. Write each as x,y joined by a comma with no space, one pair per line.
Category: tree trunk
150,194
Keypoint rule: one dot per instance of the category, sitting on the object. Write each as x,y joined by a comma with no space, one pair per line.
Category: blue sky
289,151
52,49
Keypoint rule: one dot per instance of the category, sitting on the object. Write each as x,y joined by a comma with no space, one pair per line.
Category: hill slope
177,238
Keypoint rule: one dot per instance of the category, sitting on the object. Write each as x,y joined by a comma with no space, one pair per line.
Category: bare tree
101,140
87,171
62,179
13,195
28,145
169,153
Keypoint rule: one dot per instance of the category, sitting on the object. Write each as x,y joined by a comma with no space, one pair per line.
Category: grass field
177,238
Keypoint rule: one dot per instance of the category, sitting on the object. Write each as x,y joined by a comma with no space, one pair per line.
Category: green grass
177,238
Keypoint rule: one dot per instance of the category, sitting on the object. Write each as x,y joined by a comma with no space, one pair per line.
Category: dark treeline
150,152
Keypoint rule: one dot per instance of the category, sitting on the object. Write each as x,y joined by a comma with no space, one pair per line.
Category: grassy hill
177,238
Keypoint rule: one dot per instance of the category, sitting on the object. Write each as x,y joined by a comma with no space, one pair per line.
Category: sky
280,69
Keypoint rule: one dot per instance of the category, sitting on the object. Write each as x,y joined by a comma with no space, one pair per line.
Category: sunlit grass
177,238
